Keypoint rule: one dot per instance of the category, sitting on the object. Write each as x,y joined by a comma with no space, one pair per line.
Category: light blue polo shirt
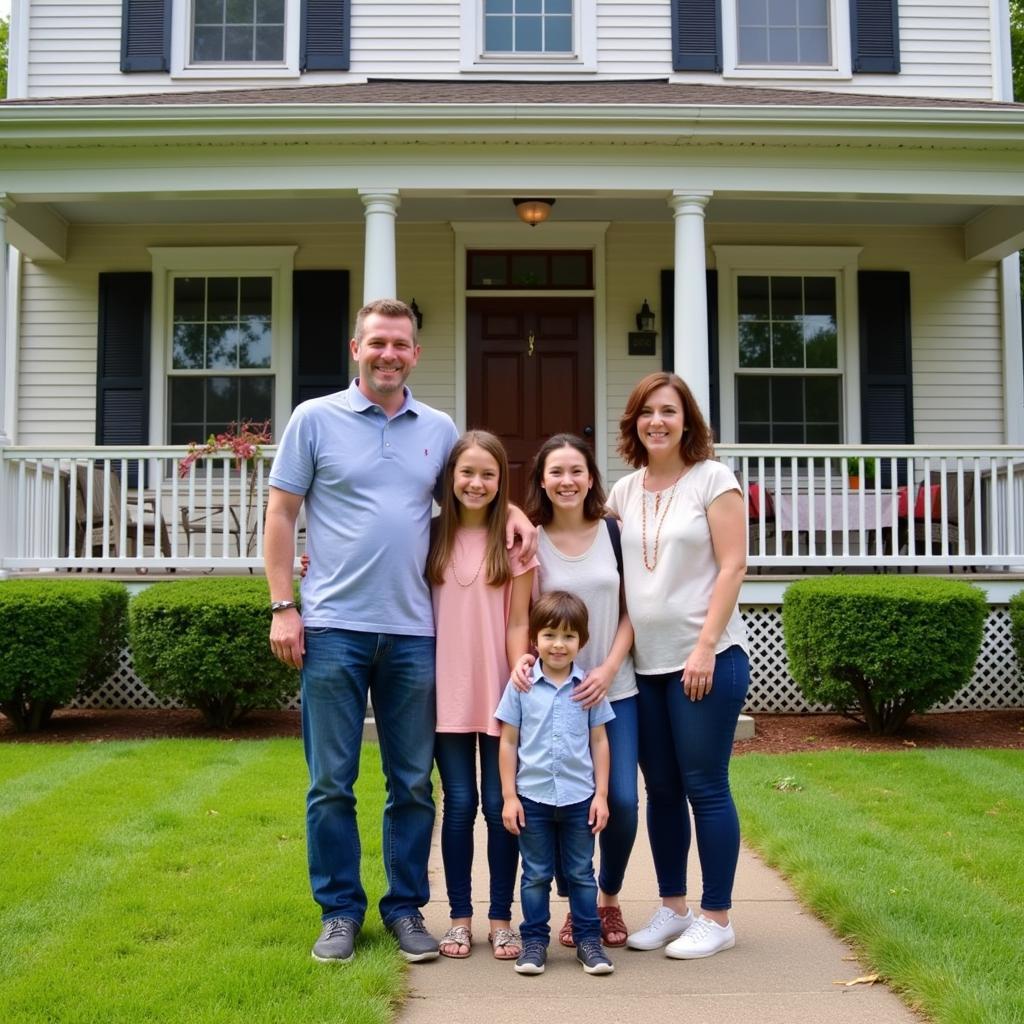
555,766
368,483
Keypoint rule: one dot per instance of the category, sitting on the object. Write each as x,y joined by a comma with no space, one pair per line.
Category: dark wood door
530,374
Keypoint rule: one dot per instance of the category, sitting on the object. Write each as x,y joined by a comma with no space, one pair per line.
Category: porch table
873,515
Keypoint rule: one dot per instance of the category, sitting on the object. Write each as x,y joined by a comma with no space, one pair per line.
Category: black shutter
696,35
668,328
324,36
319,333
875,35
145,35
886,368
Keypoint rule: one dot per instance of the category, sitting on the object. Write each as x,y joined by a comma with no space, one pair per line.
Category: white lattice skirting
996,682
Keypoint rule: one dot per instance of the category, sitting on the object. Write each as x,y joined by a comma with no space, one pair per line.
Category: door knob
588,431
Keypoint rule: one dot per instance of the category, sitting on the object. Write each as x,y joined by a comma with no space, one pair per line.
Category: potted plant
853,467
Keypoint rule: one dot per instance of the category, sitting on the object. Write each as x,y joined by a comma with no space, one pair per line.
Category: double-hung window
528,35
786,38
224,352
789,371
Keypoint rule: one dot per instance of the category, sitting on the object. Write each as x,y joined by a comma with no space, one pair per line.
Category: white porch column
5,434
691,297
380,278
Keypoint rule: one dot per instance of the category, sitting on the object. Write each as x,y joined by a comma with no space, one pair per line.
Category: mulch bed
776,734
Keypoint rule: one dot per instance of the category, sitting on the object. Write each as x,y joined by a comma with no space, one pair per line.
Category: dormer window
528,26
238,31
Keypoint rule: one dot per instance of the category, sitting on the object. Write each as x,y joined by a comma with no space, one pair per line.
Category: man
366,462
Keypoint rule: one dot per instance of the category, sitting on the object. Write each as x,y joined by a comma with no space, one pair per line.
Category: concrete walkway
781,970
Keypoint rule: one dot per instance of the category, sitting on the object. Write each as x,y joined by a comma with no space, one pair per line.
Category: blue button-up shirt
555,766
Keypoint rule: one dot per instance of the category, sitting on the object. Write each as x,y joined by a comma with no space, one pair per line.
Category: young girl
481,594
565,497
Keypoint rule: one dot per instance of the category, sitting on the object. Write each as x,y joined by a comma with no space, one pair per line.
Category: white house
820,200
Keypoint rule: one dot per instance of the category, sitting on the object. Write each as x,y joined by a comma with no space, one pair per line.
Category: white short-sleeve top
668,605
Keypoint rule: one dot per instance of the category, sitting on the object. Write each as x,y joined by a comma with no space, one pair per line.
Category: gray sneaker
415,942
337,941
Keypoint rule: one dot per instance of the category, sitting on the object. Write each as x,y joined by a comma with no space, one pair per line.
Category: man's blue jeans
339,668
565,830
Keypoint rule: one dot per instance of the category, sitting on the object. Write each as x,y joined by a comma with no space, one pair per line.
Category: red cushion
754,503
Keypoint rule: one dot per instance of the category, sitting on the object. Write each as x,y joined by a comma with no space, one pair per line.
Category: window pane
752,399
787,345
221,402
527,269
238,43
186,397
787,298
221,347
813,12
570,270
781,13
528,35
254,343
822,399
752,298
255,296
558,35
189,299
187,350
498,35
270,12
753,46
754,433
823,433
814,46
755,344
209,44
209,12
787,399
256,398
820,342
753,12
497,6
486,269
528,6
787,433
270,42
242,12
222,298
782,46
820,296
558,7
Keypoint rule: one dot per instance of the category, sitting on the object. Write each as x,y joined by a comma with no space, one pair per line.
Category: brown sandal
612,924
565,936
457,935
505,943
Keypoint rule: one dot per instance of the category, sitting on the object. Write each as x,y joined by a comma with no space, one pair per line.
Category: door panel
525,394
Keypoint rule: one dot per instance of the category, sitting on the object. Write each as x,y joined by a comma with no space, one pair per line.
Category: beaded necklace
649,564
470,583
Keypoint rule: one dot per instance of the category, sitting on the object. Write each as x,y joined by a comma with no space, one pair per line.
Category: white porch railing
914,506
128,508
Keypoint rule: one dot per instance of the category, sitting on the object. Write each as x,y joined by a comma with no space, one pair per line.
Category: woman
566,500
684,553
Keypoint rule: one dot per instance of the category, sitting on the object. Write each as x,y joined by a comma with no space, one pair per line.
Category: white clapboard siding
945,49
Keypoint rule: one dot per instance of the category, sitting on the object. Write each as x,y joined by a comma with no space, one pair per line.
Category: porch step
744,729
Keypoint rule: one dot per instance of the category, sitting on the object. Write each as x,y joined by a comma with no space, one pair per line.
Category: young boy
553,758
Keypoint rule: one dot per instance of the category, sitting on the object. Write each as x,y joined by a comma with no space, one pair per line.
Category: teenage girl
565,498
481,594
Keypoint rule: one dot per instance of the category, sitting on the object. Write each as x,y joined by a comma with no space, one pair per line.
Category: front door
530,374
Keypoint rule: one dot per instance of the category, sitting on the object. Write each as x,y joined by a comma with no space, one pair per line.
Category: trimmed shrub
205,643
1016,609
60,639
880,648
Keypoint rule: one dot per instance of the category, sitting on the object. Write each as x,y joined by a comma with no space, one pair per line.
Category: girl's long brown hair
442,546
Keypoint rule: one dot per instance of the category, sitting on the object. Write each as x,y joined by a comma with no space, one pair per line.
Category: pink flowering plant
244,440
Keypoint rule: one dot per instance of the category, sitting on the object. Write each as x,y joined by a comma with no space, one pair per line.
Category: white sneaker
703,938
663,927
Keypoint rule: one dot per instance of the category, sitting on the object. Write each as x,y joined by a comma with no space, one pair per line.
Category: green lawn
166,881
917,856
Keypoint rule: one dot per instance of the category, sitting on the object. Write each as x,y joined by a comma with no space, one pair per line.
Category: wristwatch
280,606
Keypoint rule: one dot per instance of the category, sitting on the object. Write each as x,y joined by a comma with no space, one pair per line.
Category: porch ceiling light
533,211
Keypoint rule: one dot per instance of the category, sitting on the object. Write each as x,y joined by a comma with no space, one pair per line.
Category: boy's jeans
537,844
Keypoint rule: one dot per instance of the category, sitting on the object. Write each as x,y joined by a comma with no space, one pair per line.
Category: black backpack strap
615,537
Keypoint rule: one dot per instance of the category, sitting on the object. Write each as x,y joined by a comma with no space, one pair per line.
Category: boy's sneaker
703,938
664,926
414,941
336,942
532,958
593,958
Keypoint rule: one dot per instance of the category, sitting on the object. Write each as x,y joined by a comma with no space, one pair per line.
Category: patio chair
91,546
925,532
756,494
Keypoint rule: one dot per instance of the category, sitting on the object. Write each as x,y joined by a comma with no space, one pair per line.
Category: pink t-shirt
470,618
